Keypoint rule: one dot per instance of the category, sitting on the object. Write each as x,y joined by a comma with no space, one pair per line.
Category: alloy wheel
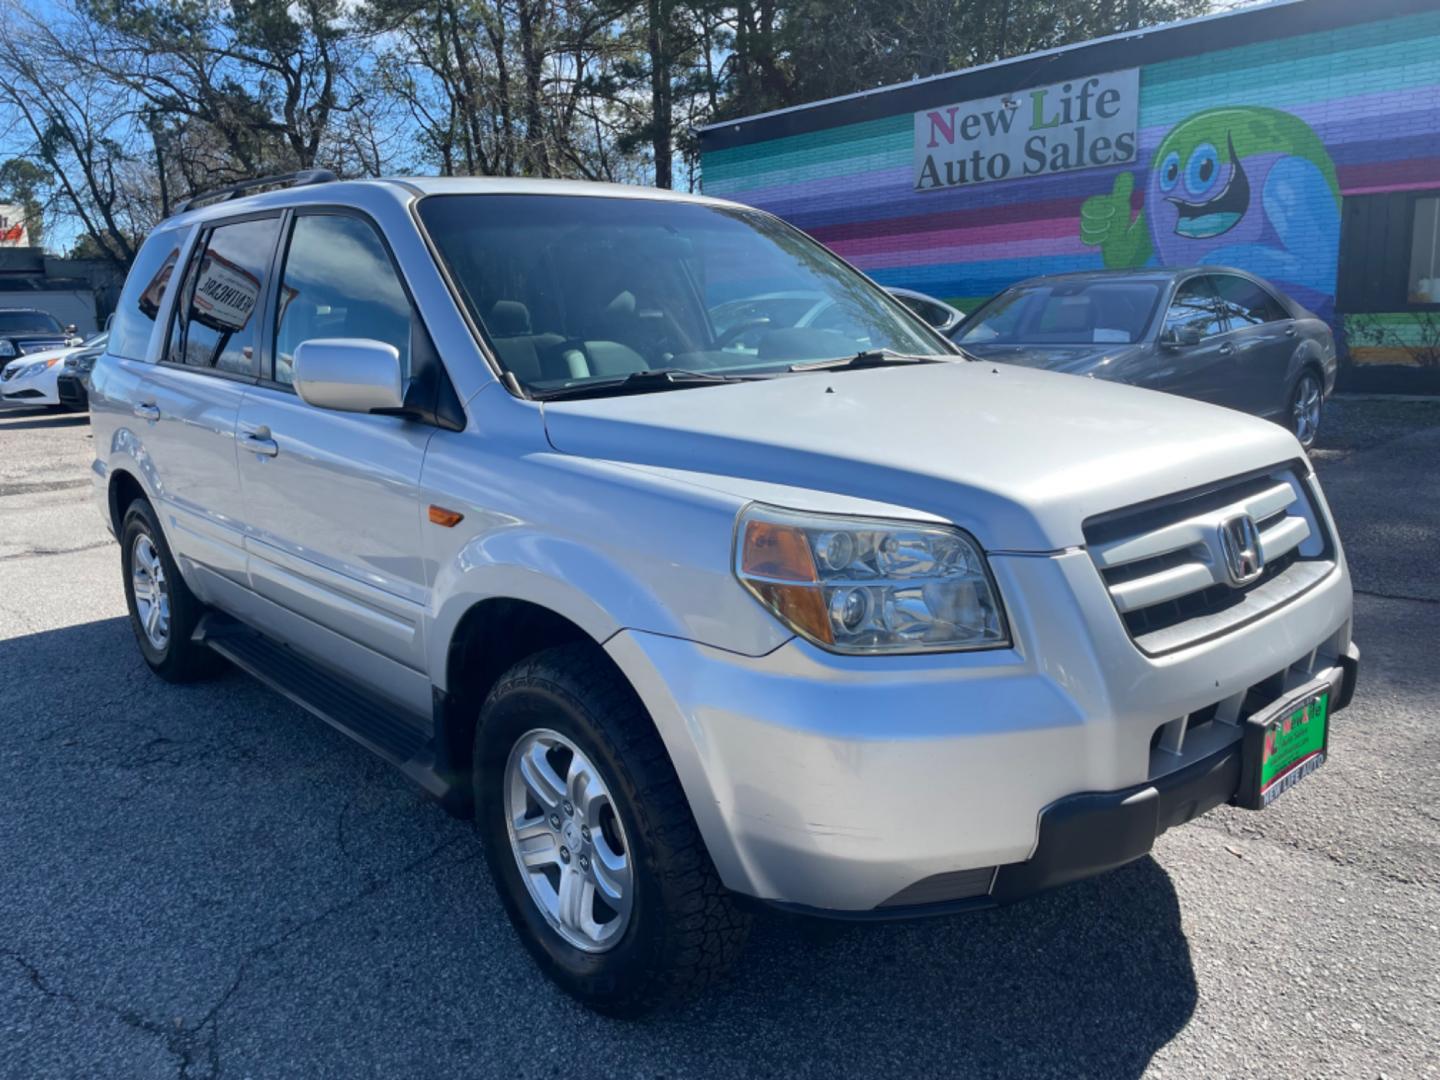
1305,409
151,591
568,841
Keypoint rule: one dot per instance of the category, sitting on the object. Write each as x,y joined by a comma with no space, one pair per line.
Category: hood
1019,458
1071,359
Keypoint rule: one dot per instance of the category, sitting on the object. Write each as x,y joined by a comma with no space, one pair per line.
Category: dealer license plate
1283,746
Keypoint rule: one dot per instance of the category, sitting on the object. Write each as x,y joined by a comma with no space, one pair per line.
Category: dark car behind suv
1207,332
28,330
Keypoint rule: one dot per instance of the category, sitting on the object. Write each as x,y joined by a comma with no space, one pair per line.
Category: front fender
605,549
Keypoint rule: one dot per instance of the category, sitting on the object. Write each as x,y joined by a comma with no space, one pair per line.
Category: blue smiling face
1250,187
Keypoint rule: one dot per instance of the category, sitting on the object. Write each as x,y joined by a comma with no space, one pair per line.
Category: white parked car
30,380
829,619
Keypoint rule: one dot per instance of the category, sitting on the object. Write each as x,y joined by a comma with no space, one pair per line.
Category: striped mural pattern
1370,92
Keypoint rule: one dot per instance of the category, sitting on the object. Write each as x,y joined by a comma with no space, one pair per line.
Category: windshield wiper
641,382
865,358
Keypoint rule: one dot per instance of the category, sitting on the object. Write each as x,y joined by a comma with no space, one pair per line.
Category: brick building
1299,140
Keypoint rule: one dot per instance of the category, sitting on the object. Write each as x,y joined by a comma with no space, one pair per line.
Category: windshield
29,322
576,289
1070,313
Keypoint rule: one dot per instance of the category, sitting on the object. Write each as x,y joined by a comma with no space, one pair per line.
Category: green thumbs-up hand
1105,223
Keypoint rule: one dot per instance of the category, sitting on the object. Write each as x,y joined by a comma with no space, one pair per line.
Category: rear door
1205,370
1264,335
190,400
331,499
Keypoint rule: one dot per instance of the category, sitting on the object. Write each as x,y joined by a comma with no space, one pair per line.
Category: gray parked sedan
1207,332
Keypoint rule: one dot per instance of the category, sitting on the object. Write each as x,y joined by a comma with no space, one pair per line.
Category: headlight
865,585
7,348
36,368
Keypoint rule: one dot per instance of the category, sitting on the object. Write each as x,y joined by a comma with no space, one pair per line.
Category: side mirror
349,375
1179,337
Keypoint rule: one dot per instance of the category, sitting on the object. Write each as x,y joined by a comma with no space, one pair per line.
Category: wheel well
491,638
124,489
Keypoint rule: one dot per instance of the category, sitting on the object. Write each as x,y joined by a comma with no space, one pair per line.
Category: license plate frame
1281,748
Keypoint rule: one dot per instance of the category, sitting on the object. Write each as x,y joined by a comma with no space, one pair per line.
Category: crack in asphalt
34,553
179,1040
199,1043
1219,827
25,487
1397,596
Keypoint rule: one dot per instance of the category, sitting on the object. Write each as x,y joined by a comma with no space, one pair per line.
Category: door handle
260,442
1289,331
1227,348
147,410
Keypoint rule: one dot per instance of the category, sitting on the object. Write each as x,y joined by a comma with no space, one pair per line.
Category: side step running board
339,703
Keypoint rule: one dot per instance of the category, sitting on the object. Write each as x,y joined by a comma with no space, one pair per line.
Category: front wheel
1307,404
590,839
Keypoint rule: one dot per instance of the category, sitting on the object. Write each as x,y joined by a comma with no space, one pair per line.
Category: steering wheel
730,333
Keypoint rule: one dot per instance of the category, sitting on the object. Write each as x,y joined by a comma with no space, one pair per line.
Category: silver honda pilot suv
693,566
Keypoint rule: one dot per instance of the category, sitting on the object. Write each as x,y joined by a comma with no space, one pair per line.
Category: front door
1265,341
332,514
1204,370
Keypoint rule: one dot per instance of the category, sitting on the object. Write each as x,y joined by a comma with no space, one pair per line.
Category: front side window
1246,303
339,282
1195,305
1065,313
221,299
577,289
140,300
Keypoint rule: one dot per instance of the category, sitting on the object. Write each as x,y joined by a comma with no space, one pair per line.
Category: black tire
684,927
178,660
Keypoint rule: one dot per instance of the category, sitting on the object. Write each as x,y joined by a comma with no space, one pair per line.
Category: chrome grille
1167,569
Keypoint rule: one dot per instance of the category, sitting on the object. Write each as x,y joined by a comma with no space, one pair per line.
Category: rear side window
1246,303
144,290
223,292
339,283
1196,305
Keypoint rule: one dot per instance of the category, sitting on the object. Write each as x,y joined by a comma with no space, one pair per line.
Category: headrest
509,318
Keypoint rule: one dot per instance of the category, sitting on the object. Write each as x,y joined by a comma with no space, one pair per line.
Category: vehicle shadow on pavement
209,872
37,419
1090,980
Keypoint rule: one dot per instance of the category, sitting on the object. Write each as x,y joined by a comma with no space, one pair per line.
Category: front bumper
1087,834
877,787
37,390
70,389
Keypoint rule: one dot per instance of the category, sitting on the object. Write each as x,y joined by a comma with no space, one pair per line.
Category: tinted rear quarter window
1246,303
144,290
224,290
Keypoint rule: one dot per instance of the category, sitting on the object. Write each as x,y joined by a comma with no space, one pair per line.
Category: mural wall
1244,158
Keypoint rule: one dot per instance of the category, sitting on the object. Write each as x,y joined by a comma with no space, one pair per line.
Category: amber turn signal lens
775,550
801,606
448,518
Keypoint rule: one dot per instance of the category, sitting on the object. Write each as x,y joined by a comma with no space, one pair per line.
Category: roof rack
303,178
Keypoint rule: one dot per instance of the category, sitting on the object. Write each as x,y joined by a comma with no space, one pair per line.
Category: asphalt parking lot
206,881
